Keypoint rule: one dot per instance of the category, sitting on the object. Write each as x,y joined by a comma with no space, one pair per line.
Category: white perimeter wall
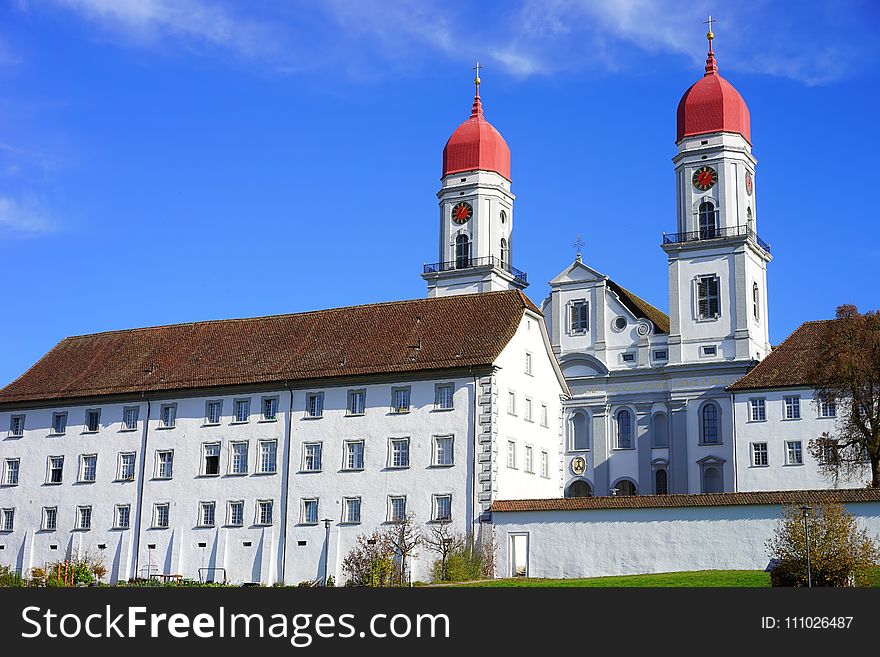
601,542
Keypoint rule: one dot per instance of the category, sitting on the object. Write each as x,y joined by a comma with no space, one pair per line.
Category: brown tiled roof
791,363
398,337
641,308
689,500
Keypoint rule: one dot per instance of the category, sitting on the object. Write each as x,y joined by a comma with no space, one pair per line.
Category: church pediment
578,272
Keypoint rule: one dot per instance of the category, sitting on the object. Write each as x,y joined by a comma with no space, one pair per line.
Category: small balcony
470,263
709,234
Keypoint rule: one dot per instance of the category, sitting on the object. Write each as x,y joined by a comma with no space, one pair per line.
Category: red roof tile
688,500
398,337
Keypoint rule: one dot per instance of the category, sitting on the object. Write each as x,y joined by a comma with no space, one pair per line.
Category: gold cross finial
477,76
710,35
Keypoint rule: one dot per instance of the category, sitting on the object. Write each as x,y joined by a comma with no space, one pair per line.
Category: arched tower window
580,434
579,488
624,429
626,488
462,252
505,254
659,430
661,482
710,434
750,222
756,295
708,220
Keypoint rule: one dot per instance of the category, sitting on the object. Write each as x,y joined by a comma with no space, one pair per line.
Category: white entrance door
519,555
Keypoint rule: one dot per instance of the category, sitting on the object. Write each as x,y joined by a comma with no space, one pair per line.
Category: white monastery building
257,450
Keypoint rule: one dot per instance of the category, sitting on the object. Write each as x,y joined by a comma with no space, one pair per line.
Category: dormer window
579,316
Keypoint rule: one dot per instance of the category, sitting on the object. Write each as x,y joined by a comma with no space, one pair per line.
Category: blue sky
175,160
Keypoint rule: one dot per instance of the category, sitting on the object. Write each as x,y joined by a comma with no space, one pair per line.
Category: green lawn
709,578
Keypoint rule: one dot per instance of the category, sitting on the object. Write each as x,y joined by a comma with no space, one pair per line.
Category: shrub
370,562
11,578
468,560
841,554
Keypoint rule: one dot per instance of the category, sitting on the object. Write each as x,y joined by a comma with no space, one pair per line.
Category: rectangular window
213,411
357,402
10,472
443,453
793,408
310,512
164,464
315,404
758,410
661,354
396,508
268,455
239,463
443,396
351,510
93,420
400,398
56,466
528,363
16,425
50,518
130,417
527,412
442,508
126,466
122,516
161,515
579,315
709,350
707,297
211,459
827,408
511,454
628,358
236,513
545,464
167,416
242,410
528,461
83,517
59,423
794,452
511,402
88,467
399,457
7,521
312,457
759,455
354,455
207,513
270,408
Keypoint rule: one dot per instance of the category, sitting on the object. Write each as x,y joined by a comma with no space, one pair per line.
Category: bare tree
404,537
847,374
442,541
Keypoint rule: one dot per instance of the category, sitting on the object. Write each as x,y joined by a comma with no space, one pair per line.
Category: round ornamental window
619,323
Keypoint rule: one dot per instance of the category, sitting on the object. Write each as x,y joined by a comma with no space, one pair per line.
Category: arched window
624,429
709,424
580,431
708,220
505,254
462,252
579,488
750,222
659,430
661,482
626,488
755,298
711,480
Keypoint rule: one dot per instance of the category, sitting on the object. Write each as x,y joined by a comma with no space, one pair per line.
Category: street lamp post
806,510
326,522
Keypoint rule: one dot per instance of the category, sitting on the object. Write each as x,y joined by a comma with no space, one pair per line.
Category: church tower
476,212
717,262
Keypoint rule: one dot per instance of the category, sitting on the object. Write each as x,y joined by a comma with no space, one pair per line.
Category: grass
700,578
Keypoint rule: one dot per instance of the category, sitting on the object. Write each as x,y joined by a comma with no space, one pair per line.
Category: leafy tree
841,554
404,538
370,562
847,373
442,541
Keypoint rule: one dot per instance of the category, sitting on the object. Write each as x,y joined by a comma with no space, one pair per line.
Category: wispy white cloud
24,217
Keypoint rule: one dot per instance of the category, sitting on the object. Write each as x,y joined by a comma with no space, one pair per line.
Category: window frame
58,415
232,457
7,517
44,522
80,515
438,396
157,515
167,411
754,451
618,432
528,458
125,411
435,507
575,321
511,454
7,470
799,451
264,401
305,503
205,456
81,479
16,424
230,516
87,426
528,364
392,517
317,462
709,280
263,504
511,402
117,516
158,471
203,507
397,410
545,464
237,403
346,452
719,438
404,440
796,407
260,446
209,422
435,457
754,405
50,468
318,399
120,473
346,518
824,406
351,395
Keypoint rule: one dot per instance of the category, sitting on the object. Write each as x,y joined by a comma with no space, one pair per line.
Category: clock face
462,212
578,465
748,183
705,177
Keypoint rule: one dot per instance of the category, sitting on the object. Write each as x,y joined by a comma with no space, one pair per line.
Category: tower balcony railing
469,263
707,234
